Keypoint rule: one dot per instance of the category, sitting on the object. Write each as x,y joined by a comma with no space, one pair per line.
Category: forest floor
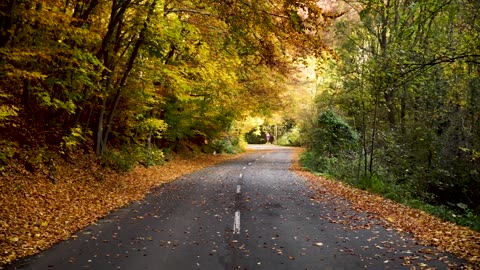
429,230
38,209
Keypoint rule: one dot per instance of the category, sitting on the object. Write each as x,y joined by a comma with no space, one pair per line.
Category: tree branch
186,10
443,59
266,12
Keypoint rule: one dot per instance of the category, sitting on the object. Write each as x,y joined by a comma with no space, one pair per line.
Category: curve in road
248,213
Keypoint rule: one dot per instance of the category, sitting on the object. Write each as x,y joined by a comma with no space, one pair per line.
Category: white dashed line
236,223
240,176
249,163
244,168
239,187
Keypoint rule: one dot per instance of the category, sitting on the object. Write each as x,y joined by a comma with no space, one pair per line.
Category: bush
332,135
7,150
75,138
150,157
371,183
228,145
119,160
292,137
255,136
384,184
223,146
125,159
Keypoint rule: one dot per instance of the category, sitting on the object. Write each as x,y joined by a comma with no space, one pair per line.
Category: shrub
150,157
128,156
75,138
292,137
371,183
227,145
332,135
120,160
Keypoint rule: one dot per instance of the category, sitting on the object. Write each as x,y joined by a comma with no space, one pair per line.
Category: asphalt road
248,213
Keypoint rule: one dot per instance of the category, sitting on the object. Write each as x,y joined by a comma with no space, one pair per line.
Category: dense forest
134,80
398,112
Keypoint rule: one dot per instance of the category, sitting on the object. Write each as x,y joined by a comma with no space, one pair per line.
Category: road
248,213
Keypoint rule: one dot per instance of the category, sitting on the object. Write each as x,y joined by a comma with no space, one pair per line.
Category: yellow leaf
390,219
13,239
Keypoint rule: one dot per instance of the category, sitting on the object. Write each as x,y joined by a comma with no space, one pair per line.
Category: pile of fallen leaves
431,230
36,212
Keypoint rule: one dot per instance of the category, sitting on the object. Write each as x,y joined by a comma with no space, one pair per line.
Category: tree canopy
96,75
406,78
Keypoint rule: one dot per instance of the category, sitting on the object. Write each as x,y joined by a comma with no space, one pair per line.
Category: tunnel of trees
392,104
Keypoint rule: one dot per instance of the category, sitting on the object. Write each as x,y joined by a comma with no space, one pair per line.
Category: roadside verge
431,230
36,212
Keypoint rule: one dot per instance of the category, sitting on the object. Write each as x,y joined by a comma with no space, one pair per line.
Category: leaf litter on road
35,213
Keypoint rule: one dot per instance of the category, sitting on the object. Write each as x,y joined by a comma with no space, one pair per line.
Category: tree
88,74
407,68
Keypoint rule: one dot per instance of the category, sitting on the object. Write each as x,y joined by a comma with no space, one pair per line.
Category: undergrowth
124,159
385,185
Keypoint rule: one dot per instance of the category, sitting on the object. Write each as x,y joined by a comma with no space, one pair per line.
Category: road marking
249,163
236,223
244,168
240,176
238,188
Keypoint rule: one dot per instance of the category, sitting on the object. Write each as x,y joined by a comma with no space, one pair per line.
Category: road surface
248,213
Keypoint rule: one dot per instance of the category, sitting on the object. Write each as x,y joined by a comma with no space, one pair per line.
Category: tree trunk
127,71
99,147
106,53
389,96
6,22
374,132
403,111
